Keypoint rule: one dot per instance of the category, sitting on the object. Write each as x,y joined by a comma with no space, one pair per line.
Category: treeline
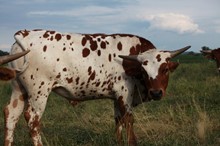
2,53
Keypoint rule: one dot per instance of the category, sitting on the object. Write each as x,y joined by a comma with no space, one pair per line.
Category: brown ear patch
132,68
173,66
6,74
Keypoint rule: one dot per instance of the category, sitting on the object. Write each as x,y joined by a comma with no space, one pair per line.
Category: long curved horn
131,57
177,52
8,58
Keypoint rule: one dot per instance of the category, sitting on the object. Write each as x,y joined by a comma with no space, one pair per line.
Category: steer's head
213,54
7,73
154,67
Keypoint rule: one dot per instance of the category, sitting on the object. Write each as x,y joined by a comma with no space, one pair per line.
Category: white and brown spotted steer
83,67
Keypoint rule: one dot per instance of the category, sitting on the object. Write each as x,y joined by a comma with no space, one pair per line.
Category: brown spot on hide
54,83
45,48
119,46
97,84
15,103
37,30
158,58
58,36
21,98
110,57
133,50
84,41
46,34
24,33
52,32
92,76
51,38
90,70
93,45
110,86
99,52
82,83
68,37
103,45
69,80
64,69
42,83
104,83
77,80
85,52
58,76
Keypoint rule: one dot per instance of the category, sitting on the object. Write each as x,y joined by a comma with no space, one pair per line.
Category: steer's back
75,61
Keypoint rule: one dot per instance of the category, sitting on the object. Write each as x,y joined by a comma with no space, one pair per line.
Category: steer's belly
82,95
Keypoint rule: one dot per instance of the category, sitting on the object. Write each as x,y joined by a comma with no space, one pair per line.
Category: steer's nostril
156,94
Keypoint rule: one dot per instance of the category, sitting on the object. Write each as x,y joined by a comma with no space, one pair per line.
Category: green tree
2,53
205,48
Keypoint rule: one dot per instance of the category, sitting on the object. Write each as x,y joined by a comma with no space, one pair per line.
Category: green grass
188,115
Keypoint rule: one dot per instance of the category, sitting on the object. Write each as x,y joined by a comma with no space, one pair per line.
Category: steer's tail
21,64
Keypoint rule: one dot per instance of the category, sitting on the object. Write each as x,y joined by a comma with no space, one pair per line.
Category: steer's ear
131,65
173,66
6,74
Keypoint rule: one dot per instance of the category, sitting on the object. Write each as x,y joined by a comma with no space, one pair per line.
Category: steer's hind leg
13,111
35,109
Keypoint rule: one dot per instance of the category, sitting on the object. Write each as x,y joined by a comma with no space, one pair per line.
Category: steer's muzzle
156,94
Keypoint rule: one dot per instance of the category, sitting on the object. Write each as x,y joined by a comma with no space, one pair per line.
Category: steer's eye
145,62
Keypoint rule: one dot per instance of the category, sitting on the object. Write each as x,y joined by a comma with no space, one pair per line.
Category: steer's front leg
124,118
129,120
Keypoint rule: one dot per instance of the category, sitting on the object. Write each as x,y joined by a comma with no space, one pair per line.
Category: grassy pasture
188,115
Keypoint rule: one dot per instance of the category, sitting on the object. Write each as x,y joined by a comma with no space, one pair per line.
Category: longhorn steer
7,73
83,67
213,54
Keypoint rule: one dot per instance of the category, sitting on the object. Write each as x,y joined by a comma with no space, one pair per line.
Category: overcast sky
168,24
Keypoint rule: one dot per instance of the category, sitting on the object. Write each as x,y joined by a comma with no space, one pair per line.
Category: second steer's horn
8,58
179,51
